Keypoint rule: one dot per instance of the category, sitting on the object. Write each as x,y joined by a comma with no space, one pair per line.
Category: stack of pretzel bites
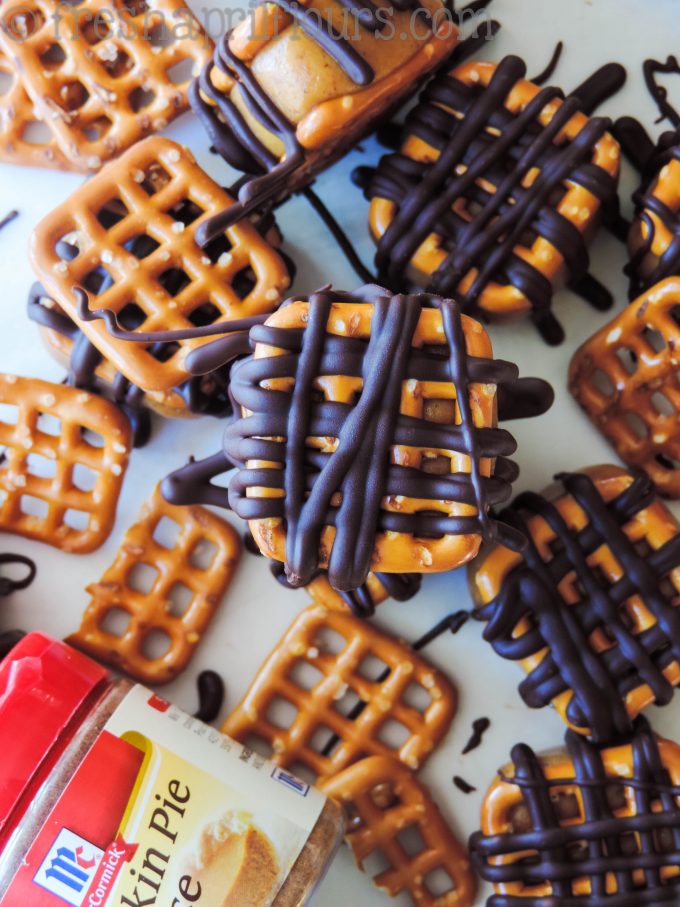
363,441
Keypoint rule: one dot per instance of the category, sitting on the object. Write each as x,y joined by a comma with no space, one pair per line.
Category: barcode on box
285,778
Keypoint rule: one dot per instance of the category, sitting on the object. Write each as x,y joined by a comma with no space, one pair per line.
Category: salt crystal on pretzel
103,78
127,236
64,456
625,377
332,692
590,607
176,607
389,813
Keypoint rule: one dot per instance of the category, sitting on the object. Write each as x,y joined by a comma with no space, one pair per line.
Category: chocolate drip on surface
635,142
343,241
592,848
524,398
210,696
193,483
479,727
599,681
360,466
424,193
598,88
463,785
650,69
8,218
547,73
9,584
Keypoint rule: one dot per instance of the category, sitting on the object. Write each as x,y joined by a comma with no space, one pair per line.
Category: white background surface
256,611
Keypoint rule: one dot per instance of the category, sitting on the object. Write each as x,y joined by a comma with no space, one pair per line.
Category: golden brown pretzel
538,256
103,76
65,455
384,804
632,628
584,825
654,234
156,195
25,138
625,377
341,649
179,603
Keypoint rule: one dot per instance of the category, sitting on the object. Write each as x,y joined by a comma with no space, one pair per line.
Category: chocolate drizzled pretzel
103,78
362,601
384,803
87,368
326,733
65,453
495,194
383,385
589,827
590,607
625,377
298,83
127,237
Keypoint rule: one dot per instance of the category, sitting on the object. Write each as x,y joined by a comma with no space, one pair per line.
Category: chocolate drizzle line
193,483
425,192
463,785
547,73
360,466
210,696
650,68
343,241
592,848
451,623
479,727
7,583
599,681
8,218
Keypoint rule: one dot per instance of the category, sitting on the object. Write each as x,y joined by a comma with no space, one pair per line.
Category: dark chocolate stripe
592,848
279,423
599,681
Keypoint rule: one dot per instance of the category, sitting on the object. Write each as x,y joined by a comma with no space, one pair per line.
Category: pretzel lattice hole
73,95
67,247
329,641
244,282
281,713
217,248
417,697
348,703
115,622
376,864
160,35
439,883
142,246
141,98
259,745
52,58
77,519
156,644
629,844
373,669
180,598
83,478
9,413
393,734
667,462
654,339
35,507
93,438
603,383
97,280
204,315
166,532
186,211
324,741
662,404
637,425
36,133
135,7
114,60
628,359
303,772
22,26
174,280
203,554
306,676
154,178
97,129
49,424
132,316
6,82
181,72
411,841
142,577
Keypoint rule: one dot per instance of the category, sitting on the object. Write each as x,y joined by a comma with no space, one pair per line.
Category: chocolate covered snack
589,609
368,439
585,826
496,193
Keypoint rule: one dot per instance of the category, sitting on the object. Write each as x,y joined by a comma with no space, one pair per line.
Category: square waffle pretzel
590,608
181,623
384,802
625,377
103,74
24,137
155,193
64,455
309,365
487,198
589,825
322,738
